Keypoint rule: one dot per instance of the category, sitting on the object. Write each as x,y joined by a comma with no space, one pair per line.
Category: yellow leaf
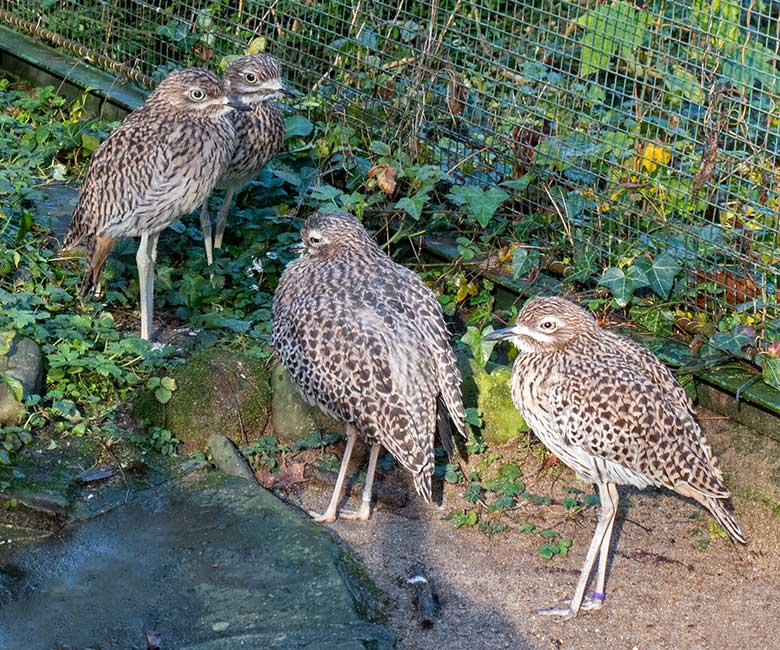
256,45
654,154
505,254
465,289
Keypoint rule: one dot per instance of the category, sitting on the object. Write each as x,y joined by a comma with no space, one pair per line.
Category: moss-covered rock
487,389
217,391
24,364
292,418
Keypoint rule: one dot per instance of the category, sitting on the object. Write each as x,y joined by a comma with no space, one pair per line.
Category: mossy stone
487,389
292,418
218,391
24,362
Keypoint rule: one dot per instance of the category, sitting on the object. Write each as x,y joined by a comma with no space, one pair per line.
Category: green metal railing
622,134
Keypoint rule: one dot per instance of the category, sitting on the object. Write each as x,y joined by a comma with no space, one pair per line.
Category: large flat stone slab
221,564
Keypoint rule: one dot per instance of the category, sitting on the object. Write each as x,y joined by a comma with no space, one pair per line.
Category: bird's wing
652,367
136,181
417,305
120,173
347,360
616,413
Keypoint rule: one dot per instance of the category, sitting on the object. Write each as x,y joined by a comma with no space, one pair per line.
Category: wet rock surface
209,563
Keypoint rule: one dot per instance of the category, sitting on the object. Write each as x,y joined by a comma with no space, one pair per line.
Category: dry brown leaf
289,476
385,177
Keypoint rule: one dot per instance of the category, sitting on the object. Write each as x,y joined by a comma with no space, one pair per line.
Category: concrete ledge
47,66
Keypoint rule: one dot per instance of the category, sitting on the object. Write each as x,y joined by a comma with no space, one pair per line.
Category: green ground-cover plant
574,148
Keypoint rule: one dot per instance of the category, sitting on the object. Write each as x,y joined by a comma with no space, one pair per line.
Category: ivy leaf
480,349
478,203
89,142
609,28
163,395
521,184
771,372
14,386
297,126
660,273
584,267
622,284
735,340
413,205
655,319
523,260
472,417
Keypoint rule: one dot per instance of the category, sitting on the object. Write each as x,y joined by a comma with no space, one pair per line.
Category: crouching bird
364,340
159,164
610,410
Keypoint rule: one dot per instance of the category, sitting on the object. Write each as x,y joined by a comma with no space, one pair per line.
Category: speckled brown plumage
364,339
160,163
257,81
609,409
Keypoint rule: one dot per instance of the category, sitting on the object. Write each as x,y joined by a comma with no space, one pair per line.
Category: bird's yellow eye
548,325
250,77
197,94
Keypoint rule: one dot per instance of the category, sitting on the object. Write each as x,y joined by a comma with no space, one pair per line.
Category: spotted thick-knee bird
364,339
610,410
257,81
159,164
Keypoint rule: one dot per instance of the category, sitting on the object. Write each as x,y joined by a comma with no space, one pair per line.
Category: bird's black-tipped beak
284,91
298,247
503,334
237,104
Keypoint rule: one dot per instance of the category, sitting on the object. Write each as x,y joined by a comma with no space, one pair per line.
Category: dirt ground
663,591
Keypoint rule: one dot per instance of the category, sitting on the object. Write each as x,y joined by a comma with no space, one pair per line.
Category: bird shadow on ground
404,542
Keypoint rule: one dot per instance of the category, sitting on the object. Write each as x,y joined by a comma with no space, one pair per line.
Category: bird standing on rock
159,164
364,340
257,81
610,410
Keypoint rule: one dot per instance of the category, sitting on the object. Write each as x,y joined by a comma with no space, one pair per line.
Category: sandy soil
663,592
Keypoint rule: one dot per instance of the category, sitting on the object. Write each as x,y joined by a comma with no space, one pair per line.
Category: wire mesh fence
636,138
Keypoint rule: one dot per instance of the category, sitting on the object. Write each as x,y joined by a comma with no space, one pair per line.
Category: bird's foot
329,516
326,517
362,514
564,610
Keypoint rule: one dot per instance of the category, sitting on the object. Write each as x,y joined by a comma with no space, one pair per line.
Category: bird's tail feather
422,483
718,509
98,250
444,427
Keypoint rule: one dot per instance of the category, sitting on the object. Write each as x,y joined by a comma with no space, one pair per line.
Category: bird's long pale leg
330,513
365,504
222,217
598,596
205,228
145,258
600,541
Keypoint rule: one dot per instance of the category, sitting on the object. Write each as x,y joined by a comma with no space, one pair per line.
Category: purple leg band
597,595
